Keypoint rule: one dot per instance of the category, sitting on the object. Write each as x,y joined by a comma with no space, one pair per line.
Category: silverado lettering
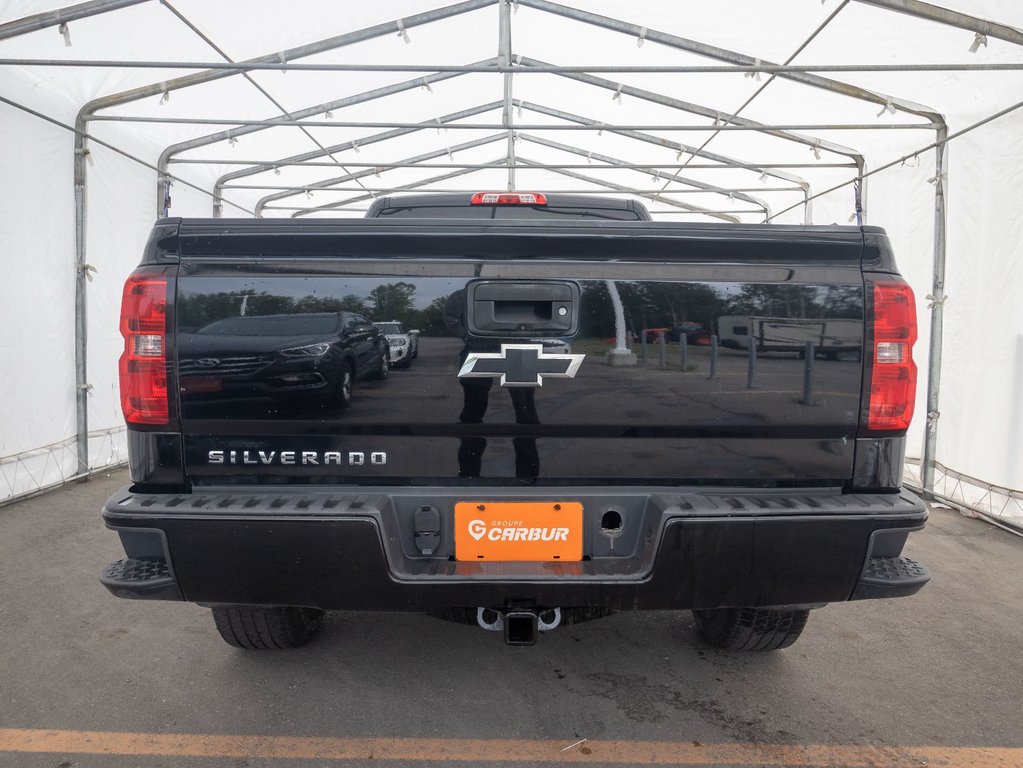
304,458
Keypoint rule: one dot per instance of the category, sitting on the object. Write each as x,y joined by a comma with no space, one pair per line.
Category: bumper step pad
890,577
141,578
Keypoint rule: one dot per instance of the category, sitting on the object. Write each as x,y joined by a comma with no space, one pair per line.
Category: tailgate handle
522,308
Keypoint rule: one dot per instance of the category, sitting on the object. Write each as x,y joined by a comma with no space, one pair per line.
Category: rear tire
751,629
266,628
345,386
383,368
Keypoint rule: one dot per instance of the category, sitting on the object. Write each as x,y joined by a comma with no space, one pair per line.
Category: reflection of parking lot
645,394
616,418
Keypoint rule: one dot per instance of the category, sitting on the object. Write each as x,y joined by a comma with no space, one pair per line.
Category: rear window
389,327
505,212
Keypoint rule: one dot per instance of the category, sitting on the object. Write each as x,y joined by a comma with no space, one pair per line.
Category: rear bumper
355,549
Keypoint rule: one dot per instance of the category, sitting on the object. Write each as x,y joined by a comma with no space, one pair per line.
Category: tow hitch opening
520,627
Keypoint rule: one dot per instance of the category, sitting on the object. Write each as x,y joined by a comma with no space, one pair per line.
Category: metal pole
713,357
374,170
218,207
751,365
310,49
726,216
81,325
700,186
504,54
576,166
261,166
677,147
642,341
937,297
809,353
729,122
683,351
326,183
663,348
953,18
415,185
948,137
288,122
729,215
291,66
61,16
722,54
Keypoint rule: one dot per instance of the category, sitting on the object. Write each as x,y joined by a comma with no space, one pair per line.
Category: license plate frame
519,531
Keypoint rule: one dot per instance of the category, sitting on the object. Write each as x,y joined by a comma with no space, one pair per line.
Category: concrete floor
883,682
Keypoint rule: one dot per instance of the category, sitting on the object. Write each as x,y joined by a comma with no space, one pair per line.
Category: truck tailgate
258,360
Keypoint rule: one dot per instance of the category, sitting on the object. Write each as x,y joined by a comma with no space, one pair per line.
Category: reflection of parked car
695,333
554,346
317,355
404,345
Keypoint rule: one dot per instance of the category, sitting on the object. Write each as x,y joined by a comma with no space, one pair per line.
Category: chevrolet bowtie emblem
520,365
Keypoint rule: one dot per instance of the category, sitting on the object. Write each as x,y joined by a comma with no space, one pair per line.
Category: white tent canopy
113,112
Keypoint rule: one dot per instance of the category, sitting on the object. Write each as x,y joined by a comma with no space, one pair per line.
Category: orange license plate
534,531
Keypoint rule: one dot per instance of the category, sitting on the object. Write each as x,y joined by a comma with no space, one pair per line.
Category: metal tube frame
698,186
328,184
915,8
657,196
952,18
453,163
61,16
553,69
437,122
286,122
303,211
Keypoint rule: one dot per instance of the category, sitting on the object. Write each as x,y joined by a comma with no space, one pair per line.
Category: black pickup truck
541,464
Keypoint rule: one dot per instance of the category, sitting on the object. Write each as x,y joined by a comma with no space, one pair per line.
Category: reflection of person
476,398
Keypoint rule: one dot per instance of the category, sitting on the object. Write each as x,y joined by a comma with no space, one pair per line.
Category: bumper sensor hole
611,522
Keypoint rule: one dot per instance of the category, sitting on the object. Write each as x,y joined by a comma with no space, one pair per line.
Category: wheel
266,628
383,367
344,386
751,629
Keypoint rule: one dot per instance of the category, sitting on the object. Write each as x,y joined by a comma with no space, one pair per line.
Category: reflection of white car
404,344
555,346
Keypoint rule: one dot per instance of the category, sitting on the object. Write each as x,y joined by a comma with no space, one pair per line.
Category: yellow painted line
16,740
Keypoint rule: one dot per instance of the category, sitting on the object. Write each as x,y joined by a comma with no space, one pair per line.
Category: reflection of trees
647,305
658,304
393,301
198,310
347,303
650,304
799,301
431,319
388,301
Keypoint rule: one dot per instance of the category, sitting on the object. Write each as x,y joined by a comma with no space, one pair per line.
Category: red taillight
509,198
143,364
893,373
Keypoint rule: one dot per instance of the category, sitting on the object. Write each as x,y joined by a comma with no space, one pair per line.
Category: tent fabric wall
981,421
37,289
